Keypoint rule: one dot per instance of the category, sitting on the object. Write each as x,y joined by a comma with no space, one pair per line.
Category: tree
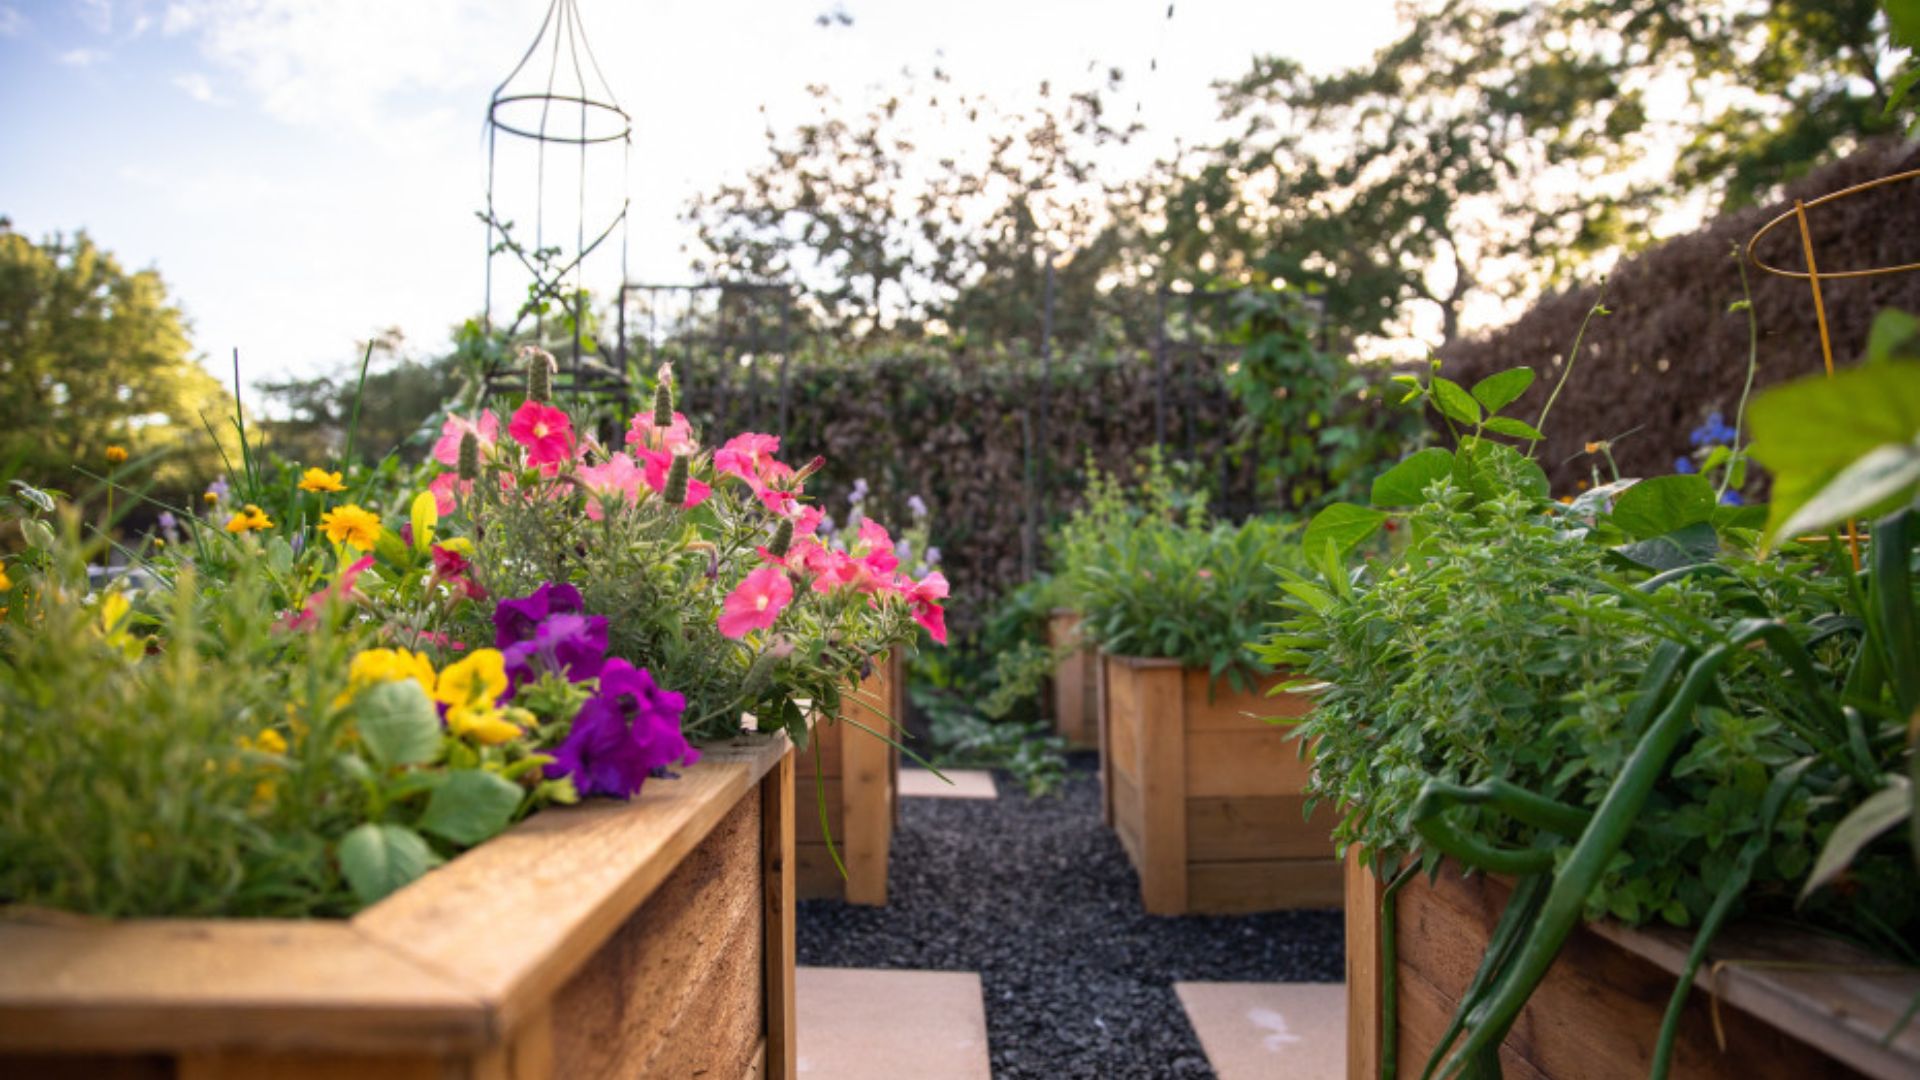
1501,147
930,210
92,356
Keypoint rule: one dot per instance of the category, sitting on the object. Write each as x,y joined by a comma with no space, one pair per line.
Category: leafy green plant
1615,698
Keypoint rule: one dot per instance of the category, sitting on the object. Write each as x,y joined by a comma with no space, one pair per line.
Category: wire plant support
570,118
1813,276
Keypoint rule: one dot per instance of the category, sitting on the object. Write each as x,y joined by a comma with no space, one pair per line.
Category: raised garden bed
1207,797
1076,681
860,777
1789,1003
651,938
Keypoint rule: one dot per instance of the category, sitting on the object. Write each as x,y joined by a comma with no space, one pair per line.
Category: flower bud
676,490
663,404
539,374
469,457
782,540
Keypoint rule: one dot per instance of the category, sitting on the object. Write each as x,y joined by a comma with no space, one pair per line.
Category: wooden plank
866,800
1217,706
1364,965
1103,711
1240,888
1597,1013
1162,761
1075,682
1425,1013
1231,763
1249,827
807,793
779,1058
311,1065
564,881
828,736
168,984
89,1066
1827,993
678,989
1121,752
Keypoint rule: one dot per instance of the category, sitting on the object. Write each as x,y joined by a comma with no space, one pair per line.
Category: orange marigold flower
322,480
250,519
352,526
116,454
1595,447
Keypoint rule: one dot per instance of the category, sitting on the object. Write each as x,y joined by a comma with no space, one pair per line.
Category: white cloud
81,58
198,87
12,23
97,14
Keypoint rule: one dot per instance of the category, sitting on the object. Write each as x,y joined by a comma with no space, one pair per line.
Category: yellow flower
272,742
210,498
389,665
475,681
487,725
321,480
352,526
5,581
116,455
249,519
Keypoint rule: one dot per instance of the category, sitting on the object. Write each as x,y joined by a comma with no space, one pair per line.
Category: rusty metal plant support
1813,275
573,87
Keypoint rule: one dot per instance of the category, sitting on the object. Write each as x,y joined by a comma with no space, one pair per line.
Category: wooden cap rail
455,962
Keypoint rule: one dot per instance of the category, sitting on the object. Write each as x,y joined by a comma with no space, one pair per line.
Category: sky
306,173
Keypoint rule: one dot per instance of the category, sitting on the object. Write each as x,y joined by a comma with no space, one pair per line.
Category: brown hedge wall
1671,352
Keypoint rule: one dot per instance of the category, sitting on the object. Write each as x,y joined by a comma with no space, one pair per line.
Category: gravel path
1037,896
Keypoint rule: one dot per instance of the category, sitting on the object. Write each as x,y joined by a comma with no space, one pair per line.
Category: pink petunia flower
924,597
756,602
675,438
807,522
747,456
656,464
618,478
545,431
485,429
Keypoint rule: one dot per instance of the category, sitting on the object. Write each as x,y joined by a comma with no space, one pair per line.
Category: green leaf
392,550
471,806
398,723
1455,402
279,555
1877,813
1895,333
1344,525
1690,546
1664,504
1809,430
1406,483
1519,429
1489,469
1882,478
1502,388
378,859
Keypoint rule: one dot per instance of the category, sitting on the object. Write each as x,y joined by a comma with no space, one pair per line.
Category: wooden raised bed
651,938
1597,1014
1207,796
1076,682
861,778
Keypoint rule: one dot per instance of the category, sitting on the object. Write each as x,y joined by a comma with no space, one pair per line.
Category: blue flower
1714,432
1684,466
1731,498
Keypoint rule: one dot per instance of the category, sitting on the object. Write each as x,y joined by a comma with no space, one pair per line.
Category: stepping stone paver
865,1024
967,784
1262,1031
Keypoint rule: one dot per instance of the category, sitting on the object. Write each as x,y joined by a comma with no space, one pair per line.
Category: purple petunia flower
516,620
623,734
571,645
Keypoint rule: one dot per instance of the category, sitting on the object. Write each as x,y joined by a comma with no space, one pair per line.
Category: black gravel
1037,896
